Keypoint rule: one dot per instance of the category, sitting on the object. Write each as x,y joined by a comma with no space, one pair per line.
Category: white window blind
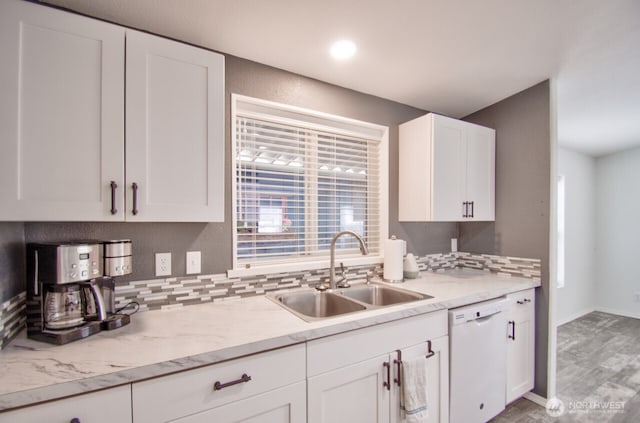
297,186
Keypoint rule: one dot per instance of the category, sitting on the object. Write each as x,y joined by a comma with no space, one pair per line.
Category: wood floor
598,367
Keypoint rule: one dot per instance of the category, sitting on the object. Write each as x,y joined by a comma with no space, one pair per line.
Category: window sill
301,266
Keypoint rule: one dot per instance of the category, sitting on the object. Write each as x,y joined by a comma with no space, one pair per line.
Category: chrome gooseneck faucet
332,269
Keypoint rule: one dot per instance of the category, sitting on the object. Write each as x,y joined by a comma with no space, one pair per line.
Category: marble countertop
162,342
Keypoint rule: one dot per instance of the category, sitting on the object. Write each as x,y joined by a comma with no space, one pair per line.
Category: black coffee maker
64,300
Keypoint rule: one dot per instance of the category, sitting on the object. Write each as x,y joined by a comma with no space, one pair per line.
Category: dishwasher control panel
476,311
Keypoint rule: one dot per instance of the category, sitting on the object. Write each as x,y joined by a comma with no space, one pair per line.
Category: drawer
107,406
334,352
522,299
169,397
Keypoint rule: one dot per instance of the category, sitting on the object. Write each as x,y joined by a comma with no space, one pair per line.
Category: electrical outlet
193,262
163,264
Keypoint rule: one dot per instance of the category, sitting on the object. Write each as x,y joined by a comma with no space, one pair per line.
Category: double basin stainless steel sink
315,305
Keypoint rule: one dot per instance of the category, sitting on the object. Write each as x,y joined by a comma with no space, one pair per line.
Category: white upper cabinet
62,122
61,115
446,170
174,131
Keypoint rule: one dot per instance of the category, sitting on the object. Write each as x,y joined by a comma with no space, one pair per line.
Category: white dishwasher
477,350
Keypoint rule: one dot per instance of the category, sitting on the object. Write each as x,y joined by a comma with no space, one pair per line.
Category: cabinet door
437,380
520,344
285,405
448,162
480,172
175,131
61,115
352,394
108,406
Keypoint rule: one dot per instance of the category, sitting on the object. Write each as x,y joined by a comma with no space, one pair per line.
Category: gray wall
617,229
214,239
523,172
12,260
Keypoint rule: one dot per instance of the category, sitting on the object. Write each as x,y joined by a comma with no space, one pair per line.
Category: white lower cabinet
354,377
520,344
284,405
350,394
349,377
437,357
265,387
108,406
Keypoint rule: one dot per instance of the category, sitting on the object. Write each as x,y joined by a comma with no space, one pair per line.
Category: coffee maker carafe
64,302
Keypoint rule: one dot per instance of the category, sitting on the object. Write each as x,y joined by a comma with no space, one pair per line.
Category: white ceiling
448,56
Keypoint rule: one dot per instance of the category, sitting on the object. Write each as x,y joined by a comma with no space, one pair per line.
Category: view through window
297,186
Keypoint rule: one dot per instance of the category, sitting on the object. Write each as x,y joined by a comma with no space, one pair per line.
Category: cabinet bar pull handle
430,352
526,300
387,383
134,187
465,209
243,379
114,210
471,209
398,363
520,302
513,330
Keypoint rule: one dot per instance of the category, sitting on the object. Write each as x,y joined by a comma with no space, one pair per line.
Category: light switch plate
163,264
194,264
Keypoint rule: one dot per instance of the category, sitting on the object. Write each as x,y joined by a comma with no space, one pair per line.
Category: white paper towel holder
401,279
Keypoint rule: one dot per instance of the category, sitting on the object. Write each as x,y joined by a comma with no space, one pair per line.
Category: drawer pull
243,379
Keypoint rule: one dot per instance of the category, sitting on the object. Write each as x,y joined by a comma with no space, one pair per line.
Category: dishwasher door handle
486,318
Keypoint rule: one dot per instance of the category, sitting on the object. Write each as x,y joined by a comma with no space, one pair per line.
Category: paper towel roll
393,262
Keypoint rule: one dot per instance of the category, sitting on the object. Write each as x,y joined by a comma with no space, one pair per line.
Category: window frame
315,120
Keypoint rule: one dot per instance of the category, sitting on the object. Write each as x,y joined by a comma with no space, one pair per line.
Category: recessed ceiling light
343,49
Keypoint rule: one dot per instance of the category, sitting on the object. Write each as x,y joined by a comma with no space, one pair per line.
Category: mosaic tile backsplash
12,318
157,294
177,292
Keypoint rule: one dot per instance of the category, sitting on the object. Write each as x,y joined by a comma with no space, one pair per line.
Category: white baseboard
574,316
618,312
542,401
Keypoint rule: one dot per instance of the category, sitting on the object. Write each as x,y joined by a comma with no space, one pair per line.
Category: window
300,177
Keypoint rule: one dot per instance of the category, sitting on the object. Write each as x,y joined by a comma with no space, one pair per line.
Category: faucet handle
321,287
343,283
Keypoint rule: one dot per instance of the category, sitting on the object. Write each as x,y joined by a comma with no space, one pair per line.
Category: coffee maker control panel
79,262
62,263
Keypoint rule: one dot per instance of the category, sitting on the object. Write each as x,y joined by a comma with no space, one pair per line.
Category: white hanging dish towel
414,390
